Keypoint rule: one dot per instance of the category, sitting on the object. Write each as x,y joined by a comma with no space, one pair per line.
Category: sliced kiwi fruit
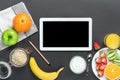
112,54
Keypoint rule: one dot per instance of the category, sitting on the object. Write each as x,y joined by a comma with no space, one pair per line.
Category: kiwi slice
112,54
118,63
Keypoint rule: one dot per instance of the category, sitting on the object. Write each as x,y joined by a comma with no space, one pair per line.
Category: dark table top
106,19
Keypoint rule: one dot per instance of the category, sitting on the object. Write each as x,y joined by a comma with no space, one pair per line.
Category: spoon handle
88,68
87,71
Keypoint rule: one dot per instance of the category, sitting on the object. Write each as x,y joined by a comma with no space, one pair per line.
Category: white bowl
78,65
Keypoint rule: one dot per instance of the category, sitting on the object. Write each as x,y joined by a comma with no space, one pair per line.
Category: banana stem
60,70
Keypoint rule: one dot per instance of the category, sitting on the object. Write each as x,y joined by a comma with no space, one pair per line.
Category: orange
112,71
22,22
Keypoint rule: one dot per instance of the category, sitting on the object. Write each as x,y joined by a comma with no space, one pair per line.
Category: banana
42,74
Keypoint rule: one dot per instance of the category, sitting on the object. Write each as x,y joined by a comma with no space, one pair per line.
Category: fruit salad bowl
101,59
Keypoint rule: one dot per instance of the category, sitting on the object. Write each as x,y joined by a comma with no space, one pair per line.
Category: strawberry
98,60
98,67
96,45
104,61
103,55
100,73
102,67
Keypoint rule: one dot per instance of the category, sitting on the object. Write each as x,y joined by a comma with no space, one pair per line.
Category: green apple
10,37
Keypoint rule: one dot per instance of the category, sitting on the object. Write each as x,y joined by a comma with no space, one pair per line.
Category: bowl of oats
19,57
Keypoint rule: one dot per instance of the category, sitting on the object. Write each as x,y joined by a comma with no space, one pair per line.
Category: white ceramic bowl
78,65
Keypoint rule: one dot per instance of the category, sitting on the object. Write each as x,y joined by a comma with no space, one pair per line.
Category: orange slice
112,71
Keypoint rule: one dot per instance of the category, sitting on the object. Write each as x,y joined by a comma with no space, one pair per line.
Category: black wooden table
106,19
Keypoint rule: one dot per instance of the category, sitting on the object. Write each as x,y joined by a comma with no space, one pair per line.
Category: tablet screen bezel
42,48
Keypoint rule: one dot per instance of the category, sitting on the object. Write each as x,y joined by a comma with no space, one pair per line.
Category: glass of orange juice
112,41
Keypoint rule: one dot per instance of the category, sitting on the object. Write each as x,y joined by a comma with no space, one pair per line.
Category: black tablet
65,34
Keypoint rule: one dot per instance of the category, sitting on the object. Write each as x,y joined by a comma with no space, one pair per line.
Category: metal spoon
89,57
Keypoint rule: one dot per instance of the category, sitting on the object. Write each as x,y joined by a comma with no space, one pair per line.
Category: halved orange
112,71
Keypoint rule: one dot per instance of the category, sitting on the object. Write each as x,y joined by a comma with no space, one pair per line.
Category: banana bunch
42,74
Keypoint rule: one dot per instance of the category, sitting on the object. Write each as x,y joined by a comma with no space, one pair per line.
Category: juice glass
112,41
